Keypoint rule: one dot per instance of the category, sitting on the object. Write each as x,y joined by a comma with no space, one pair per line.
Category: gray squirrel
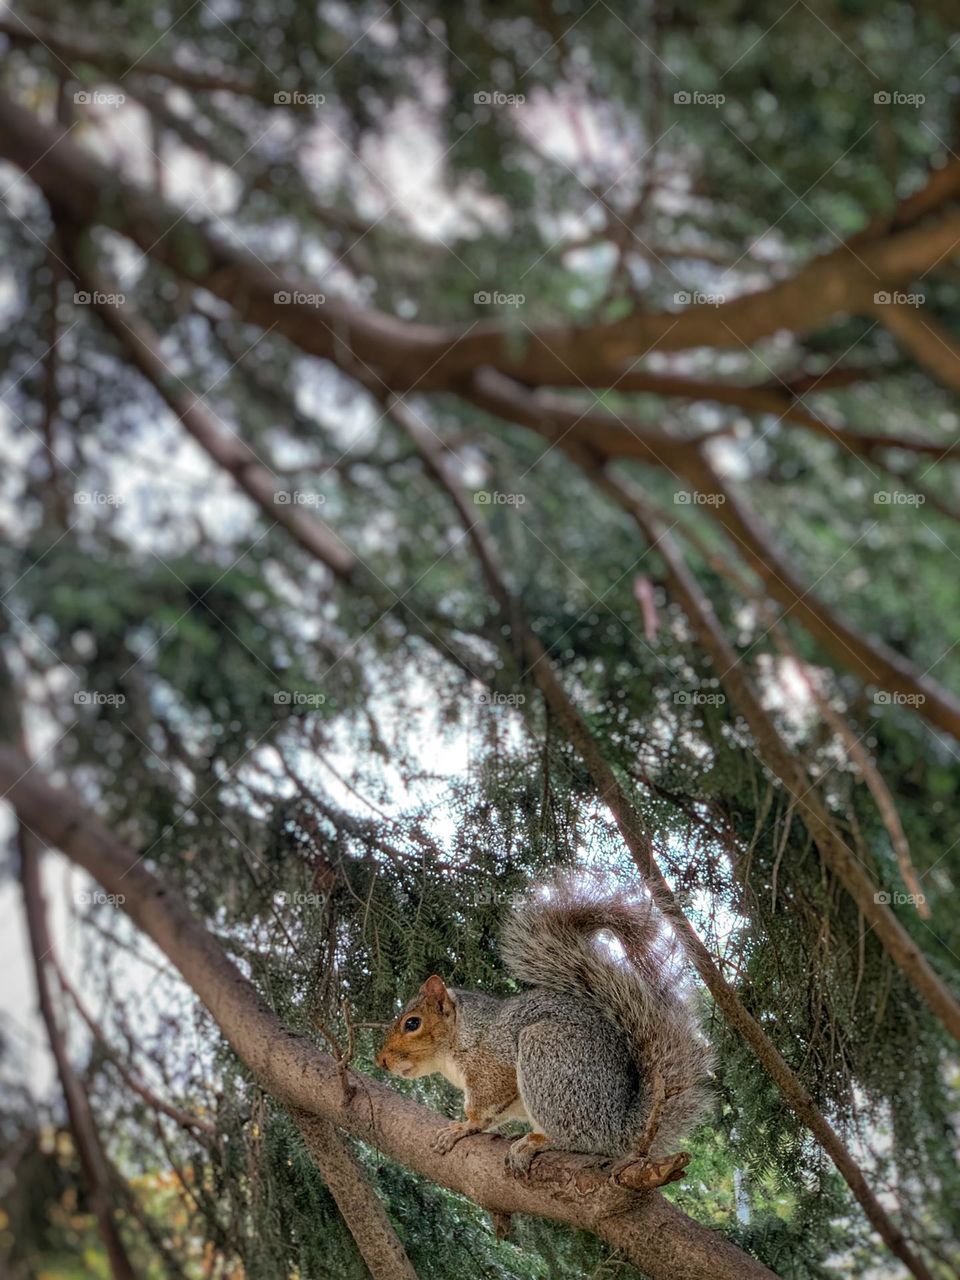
604,1053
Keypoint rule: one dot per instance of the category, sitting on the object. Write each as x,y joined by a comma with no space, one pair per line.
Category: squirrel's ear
434,990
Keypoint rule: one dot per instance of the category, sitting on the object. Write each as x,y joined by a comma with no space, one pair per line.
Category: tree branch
82,190
82,1123
872,660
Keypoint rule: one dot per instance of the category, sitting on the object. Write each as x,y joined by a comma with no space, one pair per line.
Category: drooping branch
638,841
185,1119
851,742
141,345
872,660
83,1126
648,1230
359,1206
869,658
82,190
777,756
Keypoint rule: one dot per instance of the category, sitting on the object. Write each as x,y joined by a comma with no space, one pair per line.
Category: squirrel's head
421,1038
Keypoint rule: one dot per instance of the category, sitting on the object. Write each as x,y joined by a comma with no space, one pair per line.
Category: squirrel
602,1055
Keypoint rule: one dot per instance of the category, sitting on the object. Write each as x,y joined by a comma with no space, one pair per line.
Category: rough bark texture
663,1242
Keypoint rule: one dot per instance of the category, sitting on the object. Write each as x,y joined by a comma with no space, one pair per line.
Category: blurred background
365,369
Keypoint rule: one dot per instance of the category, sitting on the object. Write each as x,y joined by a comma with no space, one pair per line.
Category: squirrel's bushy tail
551,940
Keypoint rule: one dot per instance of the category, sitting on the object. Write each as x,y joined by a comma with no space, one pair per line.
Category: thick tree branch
652,1233
81,190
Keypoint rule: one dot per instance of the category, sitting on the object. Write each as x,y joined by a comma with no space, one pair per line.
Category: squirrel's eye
411,1024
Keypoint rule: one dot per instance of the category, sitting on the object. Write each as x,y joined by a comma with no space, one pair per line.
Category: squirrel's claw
522,1153
450,1135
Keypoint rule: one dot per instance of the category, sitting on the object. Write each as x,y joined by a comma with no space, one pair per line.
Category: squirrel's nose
381,1059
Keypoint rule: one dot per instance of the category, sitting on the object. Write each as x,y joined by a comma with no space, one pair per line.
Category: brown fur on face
425,1050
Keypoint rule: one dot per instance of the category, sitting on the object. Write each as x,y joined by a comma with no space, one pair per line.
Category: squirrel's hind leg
524,1150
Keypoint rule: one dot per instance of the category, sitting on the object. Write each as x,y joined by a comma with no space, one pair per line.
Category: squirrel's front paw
523,1152
450,1135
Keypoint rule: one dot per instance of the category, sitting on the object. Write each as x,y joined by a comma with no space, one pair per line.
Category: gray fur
589,1040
